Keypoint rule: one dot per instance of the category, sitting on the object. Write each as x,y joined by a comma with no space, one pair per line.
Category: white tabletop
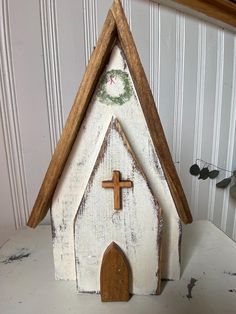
27,282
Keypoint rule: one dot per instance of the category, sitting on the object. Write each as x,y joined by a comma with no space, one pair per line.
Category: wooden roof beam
94,69
115,26
220,12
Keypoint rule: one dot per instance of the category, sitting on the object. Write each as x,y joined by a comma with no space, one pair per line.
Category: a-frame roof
115,28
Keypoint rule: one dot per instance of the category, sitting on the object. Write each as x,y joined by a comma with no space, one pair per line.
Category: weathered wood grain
222,10
117,184
115,21
94,69
150,112
73,183
77,171
115,275
136,228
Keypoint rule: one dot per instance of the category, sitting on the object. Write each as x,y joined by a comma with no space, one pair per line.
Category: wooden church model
116,199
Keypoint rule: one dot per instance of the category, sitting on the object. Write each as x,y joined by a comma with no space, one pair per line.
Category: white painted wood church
111,178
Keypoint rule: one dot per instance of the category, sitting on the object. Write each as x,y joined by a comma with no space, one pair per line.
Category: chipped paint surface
72,184
229,273
18,256
31,281
135,228
190,287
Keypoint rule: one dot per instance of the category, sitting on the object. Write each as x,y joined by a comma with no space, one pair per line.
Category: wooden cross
117,185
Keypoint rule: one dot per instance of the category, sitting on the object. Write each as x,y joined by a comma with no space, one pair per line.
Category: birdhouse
116,200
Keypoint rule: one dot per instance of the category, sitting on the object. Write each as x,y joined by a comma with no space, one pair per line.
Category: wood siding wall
44,48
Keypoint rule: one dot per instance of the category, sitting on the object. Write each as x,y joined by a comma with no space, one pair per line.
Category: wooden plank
115,275
136,228
94,69
150,112
73,182
96,64
219,12
222,10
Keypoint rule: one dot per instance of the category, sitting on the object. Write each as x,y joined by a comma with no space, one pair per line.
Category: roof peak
115,28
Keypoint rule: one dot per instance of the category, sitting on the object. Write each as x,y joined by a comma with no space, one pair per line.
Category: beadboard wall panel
45,46
208,100
189,107
167,71
225,94
70,50
229,216
33,128
7,221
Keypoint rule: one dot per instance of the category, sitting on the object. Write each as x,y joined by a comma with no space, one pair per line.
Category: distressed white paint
211,262
79,167
135,228
75,25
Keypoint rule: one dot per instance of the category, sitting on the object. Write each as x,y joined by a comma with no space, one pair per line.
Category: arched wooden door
115,275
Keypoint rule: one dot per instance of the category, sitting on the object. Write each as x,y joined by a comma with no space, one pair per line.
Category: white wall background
44,48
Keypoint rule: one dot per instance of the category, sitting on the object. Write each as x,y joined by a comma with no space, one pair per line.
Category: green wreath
108,99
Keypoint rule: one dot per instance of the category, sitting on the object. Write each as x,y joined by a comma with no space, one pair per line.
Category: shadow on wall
189,245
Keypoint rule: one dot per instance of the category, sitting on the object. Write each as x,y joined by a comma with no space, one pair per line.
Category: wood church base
208,255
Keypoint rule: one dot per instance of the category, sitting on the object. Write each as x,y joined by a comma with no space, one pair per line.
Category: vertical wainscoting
45,46
17,206
154,55
179,89
49,31
90,26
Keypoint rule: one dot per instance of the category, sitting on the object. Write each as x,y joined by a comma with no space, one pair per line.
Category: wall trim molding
223,10
219,12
